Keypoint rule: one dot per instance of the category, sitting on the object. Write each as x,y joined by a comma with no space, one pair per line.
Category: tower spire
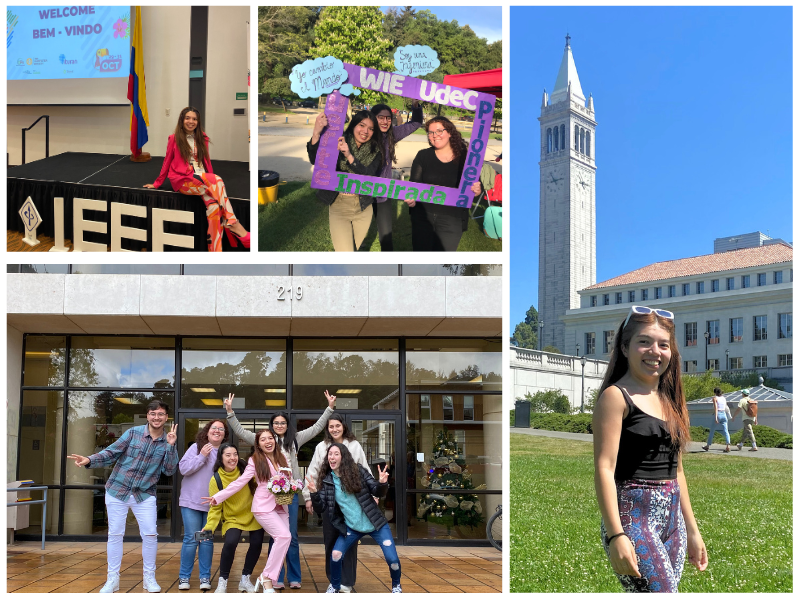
567,79
568,38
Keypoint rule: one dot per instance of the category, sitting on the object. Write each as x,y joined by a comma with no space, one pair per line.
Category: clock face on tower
554,180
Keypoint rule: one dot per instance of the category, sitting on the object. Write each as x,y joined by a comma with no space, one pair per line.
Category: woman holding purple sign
350,215
435,227
391,135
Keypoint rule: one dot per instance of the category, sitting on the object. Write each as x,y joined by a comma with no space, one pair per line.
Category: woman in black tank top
640,426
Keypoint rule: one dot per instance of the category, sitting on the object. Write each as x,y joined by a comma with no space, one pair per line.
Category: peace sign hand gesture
383,475
208,500
228,404
331,399
310,485
172,436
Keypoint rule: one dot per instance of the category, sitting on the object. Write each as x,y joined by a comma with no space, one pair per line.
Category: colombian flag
136,88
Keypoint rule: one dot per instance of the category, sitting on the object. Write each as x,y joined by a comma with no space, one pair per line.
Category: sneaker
295,585
278,585
222,586
331,589
345,589
739,446
397,589
245,585
150,583
183,584
753,449
112,584
205,584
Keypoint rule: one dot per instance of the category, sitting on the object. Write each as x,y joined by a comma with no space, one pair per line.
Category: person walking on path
197,467
749,410
344,491
290,441
720,418
265,462
236,518
140,456
641,426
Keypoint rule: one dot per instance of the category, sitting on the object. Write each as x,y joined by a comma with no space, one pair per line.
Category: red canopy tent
488,82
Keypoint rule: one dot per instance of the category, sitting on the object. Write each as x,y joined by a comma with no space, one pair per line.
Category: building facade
566,200
415,366
741,298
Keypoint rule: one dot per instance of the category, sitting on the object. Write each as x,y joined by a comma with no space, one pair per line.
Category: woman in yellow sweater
236,517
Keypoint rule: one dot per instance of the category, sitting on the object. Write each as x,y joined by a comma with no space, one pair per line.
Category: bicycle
494,528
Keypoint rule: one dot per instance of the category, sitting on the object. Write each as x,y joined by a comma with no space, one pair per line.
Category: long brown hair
199,138
349,473
201,439
457,144
260,457
670,387
389,135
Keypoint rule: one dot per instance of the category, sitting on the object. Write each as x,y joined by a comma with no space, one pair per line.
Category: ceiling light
348,391
274,403
127,401
275,390
207,390
211,401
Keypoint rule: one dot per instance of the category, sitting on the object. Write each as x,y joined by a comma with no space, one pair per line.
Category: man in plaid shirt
141,455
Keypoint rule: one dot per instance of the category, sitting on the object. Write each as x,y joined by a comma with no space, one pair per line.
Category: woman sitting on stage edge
350,215
188,166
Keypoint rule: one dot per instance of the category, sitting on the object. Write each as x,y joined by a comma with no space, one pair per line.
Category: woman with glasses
350,215
641,426
437,227
289,442
385,209
336,432
197,468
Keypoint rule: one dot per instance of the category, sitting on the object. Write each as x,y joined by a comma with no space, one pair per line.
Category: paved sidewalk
694,447
80,567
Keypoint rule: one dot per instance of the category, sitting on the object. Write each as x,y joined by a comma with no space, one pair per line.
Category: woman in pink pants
264,463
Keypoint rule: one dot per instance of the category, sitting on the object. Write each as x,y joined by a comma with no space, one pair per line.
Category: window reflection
133,362
454,270
253,370
40,439
85,513
457,364
243,270
360,373
45,358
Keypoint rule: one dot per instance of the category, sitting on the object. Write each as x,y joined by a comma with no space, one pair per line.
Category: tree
551,349
354,34
549,401
702,386
526,333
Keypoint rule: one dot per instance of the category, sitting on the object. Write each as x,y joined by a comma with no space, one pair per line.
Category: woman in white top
339,433
720,418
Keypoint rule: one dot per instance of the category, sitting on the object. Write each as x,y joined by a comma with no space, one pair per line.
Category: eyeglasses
437,133
160,414
279,423
646,310
384,118
217,429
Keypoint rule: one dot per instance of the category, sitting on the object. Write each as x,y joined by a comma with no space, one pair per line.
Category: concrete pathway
80,567
694,447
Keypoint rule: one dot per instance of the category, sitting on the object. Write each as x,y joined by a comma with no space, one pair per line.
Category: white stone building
742,298
409,351
566,200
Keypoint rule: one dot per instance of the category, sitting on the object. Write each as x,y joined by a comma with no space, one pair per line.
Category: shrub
549,401
551,349
578,423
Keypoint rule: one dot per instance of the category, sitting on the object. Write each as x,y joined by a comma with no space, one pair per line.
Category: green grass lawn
299,222
743,507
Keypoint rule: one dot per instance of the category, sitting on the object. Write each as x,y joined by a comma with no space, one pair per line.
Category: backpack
752,408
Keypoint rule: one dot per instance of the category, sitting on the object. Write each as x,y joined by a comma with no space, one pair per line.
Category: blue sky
485,21
694,135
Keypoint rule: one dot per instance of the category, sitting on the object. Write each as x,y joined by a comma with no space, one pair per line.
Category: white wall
166,33
227,74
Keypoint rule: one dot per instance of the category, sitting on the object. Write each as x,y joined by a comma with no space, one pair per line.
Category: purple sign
327,178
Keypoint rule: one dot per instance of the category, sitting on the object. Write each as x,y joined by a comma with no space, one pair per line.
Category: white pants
145,513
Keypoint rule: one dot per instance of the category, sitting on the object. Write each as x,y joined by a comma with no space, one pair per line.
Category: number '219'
283,291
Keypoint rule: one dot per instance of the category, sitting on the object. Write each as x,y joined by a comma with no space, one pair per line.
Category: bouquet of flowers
284,487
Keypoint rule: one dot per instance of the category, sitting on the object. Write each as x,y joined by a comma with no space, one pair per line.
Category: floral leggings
652,519
219,212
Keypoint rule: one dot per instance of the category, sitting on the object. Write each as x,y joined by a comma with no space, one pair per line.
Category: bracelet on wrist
608,539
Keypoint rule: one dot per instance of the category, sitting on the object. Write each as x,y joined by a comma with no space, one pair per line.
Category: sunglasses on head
646,310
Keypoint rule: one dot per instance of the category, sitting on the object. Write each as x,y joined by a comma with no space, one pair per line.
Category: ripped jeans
382,536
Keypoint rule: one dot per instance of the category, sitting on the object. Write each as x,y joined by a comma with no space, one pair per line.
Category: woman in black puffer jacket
345,492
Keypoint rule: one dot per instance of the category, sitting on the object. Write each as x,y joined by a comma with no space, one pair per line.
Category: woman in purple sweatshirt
391,135
197,468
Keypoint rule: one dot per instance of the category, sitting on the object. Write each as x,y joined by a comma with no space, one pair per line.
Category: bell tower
566,200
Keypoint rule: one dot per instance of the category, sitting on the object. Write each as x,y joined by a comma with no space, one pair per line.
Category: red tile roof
700,265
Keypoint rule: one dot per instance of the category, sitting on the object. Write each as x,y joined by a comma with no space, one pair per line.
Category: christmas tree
448,477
